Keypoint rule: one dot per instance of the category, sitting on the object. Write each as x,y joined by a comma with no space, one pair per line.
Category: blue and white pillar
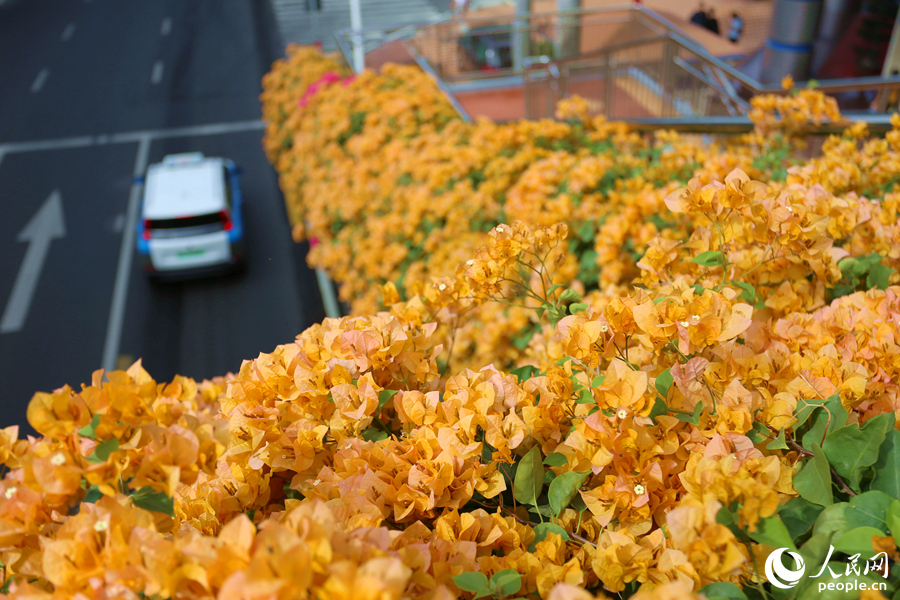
789,49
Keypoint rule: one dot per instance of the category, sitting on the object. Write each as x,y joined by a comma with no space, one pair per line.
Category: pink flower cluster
326,79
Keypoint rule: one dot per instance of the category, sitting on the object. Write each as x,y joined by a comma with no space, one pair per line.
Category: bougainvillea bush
706,374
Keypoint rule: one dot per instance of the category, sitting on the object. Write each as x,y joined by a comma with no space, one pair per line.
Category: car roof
184,188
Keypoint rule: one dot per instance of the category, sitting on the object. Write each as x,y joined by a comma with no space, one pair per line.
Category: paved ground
98,90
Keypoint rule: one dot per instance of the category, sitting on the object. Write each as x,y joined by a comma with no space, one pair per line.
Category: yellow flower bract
372,456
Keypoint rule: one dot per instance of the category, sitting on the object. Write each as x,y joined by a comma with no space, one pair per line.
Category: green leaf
373,435
813,482
833,520
892,518
487,452
588,270
723,589
553,288
759,433
803,412
154,501
585,396
869,509
664,382
103,450
693,419
577,307
726,517
526,372
887,467
857,541
778,443
577,504
564,488
748,292
659,408
93,494
852,448
541,530
586,232
472,581
555,459
771,531
879,276
659,222
291,493
882,423
825,420
384,396
555,315
710,258
522,339
799,515
570,295
506,582
598,380
529,477
852,266
89,430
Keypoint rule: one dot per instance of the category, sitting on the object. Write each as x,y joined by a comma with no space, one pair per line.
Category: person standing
735,28
700,18
711,22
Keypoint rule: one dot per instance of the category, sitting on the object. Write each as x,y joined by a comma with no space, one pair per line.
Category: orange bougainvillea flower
577,366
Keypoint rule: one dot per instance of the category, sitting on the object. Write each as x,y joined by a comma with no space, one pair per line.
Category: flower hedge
582,364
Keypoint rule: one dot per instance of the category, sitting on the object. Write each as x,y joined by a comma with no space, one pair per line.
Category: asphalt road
84,74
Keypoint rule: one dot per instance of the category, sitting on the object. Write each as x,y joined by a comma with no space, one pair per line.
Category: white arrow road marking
44,227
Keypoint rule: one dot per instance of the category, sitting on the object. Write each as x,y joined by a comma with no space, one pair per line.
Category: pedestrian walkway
298,24
756,14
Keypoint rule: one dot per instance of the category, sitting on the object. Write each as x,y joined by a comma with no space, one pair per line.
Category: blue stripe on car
237,201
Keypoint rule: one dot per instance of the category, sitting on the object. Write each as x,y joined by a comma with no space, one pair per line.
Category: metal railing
877,124
480,47
373,37
626,60
661,77
669,76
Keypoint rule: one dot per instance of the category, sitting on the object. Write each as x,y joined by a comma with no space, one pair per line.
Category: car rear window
186,222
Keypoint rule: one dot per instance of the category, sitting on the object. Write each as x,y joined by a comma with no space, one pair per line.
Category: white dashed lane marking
166,26
157,74
68,32
40,80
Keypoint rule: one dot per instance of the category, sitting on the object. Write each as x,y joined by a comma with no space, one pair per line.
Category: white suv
191,221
